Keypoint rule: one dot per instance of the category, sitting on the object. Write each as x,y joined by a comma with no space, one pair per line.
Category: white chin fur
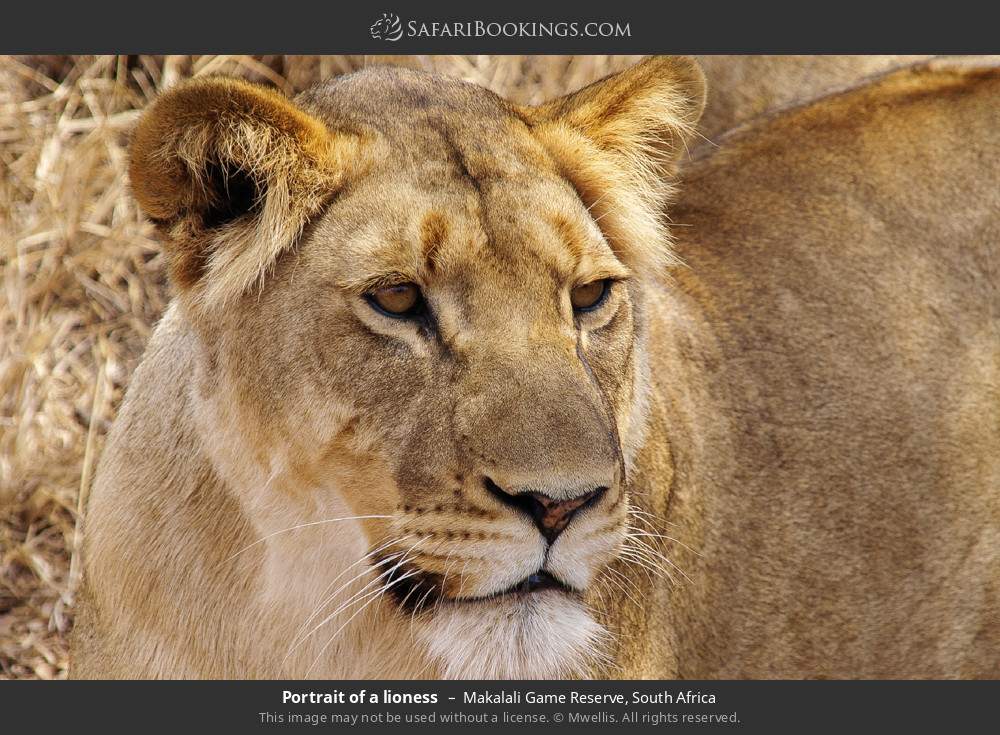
545,635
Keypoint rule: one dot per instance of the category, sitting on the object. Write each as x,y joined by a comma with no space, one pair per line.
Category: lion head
420,314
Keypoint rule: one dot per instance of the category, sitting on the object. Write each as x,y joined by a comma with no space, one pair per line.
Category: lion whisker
648,548
371,553
635,532
421,601
444,579
402,603
637,512
301,525
461,586
361,609
345,585
647,563
645,548
359,595
618,584
399,558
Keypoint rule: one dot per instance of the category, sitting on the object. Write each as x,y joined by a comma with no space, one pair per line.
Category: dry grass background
83,285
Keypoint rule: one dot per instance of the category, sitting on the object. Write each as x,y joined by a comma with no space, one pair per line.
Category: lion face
452,350
485,418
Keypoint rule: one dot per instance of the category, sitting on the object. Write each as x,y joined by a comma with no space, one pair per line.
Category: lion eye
590,295
400,301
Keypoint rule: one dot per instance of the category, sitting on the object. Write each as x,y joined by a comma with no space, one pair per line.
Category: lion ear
618,141
230,172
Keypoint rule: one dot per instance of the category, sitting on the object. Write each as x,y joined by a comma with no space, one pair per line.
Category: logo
387,28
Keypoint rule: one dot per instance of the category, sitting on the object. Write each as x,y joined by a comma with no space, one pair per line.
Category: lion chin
542,635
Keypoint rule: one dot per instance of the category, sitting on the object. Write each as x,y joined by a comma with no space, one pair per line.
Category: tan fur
829,366
746,86
799,428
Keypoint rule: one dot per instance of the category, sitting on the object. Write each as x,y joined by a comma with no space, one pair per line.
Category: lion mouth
536,582
407,585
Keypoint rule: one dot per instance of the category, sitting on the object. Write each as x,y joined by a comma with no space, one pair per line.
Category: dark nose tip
551,515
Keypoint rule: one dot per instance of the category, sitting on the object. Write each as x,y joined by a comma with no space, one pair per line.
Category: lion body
808,411
747,86
834,357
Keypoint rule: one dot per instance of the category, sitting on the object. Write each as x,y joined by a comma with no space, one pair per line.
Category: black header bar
449,27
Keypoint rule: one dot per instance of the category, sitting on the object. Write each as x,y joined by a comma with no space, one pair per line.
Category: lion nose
551,515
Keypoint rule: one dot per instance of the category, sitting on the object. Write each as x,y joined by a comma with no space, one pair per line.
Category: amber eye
402,300
590,295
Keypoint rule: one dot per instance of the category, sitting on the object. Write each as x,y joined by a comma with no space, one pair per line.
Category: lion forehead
392,99
508,232
430,122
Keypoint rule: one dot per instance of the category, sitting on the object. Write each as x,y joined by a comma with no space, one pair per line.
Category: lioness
437,399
